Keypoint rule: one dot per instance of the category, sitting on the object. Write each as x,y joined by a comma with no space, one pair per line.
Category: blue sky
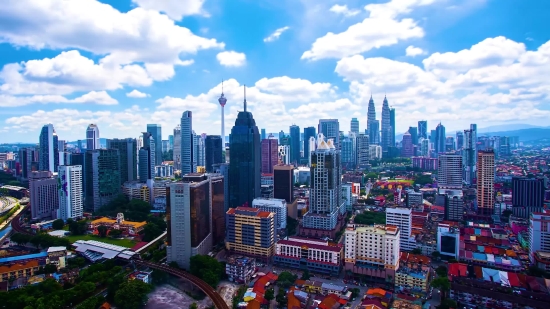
125,63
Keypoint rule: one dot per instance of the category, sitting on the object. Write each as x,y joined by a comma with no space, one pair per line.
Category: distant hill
525,135
508,127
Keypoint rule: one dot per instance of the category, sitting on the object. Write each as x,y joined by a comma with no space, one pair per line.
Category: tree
269,295
291,226
447,303
102,230
193,306
306,275
286,279
132,294
355,292
436,255
443,284
416,251
281,298
370,217
78,227
206,268
151,231
58,224
441,271
114,233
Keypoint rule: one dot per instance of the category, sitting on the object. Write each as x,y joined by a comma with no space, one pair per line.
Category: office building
402,218
217,182
171,142
392,126
354,126
386,127
423,129
188,160
263,134
326,204
189,213
348,151
454,205
127,149
470,154
295,145
71,198
374,132
250,232
26,157
199,149
528,195
276,206
44,197
309,132
92,137
449,172
213,152
330,128
135,190
372,123
539,233
223,170
270,154
459,140
414,135
440,139
375,152
245,160
486,182
372,251
48,149
147,158
363,150
318,256
414,199
407,148
176,152
101,177
156,132
283,182
448,240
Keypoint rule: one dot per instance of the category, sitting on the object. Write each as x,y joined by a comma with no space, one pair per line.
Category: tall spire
245,98
222,87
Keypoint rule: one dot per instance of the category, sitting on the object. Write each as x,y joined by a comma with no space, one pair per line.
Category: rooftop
25,257
113,221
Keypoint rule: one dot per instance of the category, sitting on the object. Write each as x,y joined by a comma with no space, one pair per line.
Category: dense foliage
134,210
370,217
423,180
291,226
286,279
207,268
58,224
40,240
132,294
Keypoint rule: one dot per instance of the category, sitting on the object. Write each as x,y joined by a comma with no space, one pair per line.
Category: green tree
151,231
269,295
441,271
436,255
306,275
193,306
102,230
132,294
78,227
370,217
58,224
448,303
114,233
416,251
286,279
206,268
443,284
281,298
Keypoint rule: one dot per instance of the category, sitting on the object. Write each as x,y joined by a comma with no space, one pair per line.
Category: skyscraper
43,195
374,132
127,148
386,127
440,139
354,125
423,129
101,177
392,125
528,195
407,149
486,182
147,158
188,162
71,198
199,149
363,153
371,113
213,152
469,154
330,128
308,133
449,173
48,149
270,156
263,134
222,100
176,153
414,135
171,142
245,160
156,132
283,184
295,145
459,140
92,137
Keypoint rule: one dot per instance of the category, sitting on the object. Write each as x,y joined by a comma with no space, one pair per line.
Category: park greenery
286,279
207,268
370,217
40,241
422,180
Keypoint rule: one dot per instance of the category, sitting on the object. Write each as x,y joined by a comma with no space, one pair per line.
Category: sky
125,63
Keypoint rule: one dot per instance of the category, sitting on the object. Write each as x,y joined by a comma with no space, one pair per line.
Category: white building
284,154
277,206
425,147
71,201
402,218
375,152
164,170
539,233
448,240
376,245
312,146
449,172
320,256
302,175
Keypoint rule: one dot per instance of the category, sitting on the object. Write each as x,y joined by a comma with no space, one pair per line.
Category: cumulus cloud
231,58
383,27
93,97
412,51
175,9
136,94
276,34
343,10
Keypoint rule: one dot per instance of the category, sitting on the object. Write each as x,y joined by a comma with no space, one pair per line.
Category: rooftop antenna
222,86
245,98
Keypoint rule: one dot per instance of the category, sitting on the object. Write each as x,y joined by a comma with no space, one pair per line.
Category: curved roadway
16,223
216,298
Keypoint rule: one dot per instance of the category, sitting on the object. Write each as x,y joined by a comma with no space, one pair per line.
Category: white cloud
381,28
275,35
93,97
97,97
412,51
136,94
138,35
231,58
175,9
343,10
296,89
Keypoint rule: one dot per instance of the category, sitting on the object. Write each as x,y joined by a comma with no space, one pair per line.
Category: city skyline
121,82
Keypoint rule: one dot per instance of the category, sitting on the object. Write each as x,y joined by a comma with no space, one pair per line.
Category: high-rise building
326,202
48,149
263,134
386,127
425,148
414,135
44,197
454,205
176,153
147,157
71,198
171,142
407,148
374,132
199,149
348,151
392,126
213,149
423,129
223,170
283,184
371,118
528,195
222,101
92,137
363,150
250,232
270,156
188,162
449,172
486,182
539,233
101,177
127,149
295,145
26,157
276,206
354,126
189,213
459,140
402,218
330,128
440,139
309,132
156,131
245,160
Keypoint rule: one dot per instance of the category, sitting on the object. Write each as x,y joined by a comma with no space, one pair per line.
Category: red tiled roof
337,248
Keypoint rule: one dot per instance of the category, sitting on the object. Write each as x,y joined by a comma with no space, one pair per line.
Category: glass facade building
213,152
